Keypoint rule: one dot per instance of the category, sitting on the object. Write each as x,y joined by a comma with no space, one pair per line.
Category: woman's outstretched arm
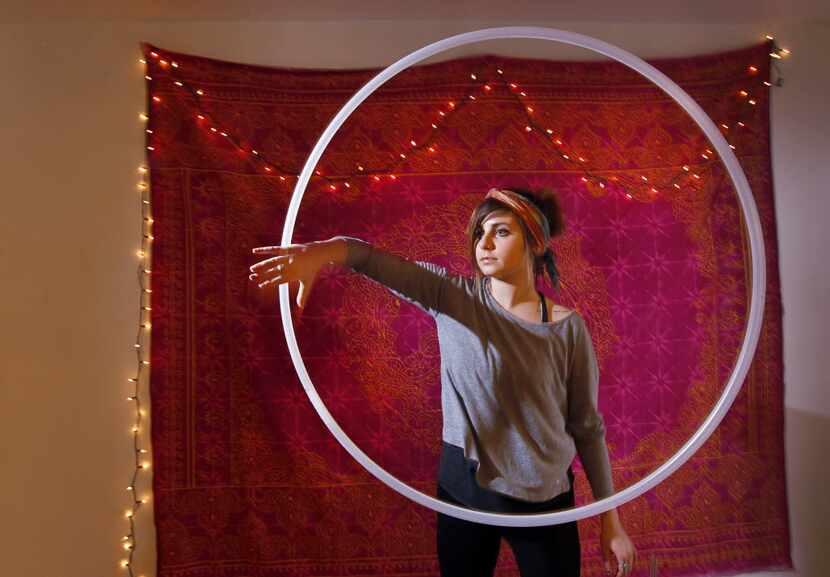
418,282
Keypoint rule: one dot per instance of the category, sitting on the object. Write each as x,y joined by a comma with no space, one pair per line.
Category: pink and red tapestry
247,479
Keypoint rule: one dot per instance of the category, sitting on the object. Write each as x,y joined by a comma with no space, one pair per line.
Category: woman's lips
487,259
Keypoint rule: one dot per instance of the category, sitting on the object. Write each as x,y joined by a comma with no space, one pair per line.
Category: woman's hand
616,546
295,262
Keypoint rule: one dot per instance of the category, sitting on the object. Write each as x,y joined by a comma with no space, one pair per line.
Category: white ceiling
512,11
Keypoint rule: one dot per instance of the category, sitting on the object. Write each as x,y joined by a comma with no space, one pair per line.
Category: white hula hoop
756,306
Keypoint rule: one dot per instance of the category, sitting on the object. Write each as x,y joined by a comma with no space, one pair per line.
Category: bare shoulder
558,312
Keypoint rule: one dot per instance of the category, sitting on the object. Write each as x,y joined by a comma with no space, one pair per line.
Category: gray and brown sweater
519,398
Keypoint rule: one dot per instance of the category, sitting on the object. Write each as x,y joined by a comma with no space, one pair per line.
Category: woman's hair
544,199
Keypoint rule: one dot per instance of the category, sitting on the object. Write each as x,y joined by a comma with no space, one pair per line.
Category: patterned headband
536,222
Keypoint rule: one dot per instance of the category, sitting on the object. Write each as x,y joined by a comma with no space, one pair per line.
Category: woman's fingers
270,263
268,249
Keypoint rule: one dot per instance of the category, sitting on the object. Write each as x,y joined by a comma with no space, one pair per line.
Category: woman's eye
504,230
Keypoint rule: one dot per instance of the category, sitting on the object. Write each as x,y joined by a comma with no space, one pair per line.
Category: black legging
468,549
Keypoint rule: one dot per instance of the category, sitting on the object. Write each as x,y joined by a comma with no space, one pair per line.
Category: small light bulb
523,93
566,157
200,92
412,142
473,76
500,71
143,116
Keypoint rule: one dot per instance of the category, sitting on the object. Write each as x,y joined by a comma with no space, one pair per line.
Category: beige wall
69,229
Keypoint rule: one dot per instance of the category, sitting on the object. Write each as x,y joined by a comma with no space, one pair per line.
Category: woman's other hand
616,546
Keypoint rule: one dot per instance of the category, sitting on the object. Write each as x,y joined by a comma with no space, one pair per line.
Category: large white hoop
756,306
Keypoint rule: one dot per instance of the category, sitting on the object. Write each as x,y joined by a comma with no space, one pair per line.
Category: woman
519,389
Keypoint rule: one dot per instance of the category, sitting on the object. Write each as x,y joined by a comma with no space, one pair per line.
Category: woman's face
500,246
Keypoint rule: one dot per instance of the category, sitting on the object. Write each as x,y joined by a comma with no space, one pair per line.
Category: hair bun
547,201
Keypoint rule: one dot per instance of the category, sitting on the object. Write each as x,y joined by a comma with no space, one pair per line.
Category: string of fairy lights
483,84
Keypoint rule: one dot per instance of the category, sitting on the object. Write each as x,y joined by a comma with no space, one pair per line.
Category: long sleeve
585,423
420,283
